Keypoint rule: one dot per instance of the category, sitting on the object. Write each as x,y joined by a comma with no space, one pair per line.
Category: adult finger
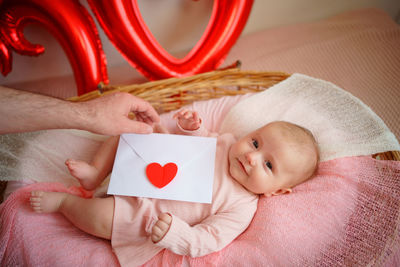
143,117
143,108
131,126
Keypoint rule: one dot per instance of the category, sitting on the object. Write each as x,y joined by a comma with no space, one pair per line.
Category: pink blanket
348,214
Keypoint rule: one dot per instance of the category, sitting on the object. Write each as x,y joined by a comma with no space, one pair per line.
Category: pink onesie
197,229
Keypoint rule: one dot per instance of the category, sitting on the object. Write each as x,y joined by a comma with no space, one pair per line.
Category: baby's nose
251,158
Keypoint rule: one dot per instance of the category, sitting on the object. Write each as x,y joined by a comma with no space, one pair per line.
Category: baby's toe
35,202
36,194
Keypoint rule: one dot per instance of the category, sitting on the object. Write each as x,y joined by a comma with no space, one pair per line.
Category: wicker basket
171,94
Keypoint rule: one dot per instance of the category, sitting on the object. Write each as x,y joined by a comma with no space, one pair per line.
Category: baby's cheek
232,168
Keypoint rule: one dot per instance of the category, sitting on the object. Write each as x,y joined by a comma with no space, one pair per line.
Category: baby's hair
303,137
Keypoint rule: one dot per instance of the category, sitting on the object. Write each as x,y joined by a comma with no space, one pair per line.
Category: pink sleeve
212,234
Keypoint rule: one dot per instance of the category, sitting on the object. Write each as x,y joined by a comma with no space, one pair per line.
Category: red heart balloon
159,175
126,29
69,22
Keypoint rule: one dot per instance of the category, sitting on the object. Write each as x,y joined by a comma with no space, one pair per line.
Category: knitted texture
40,156
31,239
347,215
341,123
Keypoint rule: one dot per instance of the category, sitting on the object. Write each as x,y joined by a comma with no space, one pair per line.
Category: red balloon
5,58
124,25
69,22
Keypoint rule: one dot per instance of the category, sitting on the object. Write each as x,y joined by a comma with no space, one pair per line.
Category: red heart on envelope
159,175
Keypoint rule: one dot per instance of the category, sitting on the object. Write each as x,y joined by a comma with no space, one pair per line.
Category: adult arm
21,111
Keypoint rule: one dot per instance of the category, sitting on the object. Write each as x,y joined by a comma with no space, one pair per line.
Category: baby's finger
162,226
196,125
195,116
179,114
187,114
158,231
165,217
155,234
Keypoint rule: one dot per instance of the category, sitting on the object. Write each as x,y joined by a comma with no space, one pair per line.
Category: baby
269,161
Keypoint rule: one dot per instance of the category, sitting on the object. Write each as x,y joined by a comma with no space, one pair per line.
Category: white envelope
194,157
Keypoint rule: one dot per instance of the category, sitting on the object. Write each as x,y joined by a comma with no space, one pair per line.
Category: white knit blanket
341,123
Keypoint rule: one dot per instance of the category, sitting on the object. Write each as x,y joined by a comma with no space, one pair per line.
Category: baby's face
267,162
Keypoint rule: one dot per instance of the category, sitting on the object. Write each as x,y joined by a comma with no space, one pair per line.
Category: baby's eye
255,143
268,164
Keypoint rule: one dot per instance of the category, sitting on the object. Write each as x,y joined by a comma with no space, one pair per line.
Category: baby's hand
189,120
161,227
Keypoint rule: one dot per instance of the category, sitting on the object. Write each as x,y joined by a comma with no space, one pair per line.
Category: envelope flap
164,148
194,158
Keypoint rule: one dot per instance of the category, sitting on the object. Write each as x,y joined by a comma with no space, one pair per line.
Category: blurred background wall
177,25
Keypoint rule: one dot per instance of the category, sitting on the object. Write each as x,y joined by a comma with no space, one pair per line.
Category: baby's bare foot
46,201
84,172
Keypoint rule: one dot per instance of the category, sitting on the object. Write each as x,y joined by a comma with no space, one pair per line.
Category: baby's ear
279,192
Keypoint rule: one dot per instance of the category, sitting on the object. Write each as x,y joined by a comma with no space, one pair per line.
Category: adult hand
21,111
110,114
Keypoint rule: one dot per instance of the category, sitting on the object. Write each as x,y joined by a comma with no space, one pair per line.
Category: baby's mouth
242,166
